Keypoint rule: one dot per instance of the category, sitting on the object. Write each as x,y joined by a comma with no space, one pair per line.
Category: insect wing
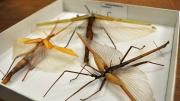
38,55
97,58
110,55
19,48
109,18
137,83
121,31
56,61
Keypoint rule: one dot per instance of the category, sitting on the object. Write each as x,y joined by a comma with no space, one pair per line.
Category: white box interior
162,81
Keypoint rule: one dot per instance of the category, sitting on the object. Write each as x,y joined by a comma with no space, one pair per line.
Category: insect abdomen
21,64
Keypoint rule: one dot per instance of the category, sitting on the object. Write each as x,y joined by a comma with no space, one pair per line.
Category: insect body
35,55
132,80
93,20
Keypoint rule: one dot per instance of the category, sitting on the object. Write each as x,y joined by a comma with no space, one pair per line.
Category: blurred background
13,11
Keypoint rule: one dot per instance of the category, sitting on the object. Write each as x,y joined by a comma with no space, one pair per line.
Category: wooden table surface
12,11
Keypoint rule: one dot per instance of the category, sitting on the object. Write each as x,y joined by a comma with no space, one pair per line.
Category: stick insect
130,80
94,20
34,56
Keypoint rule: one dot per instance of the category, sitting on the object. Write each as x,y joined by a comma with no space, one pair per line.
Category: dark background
12,11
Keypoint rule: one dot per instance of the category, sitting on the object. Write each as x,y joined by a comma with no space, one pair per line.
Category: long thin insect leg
144,62
100,88
139,57
84,67
29,69
70,37
78,73
80,89
88,71
93,68
26,74
129,51
110,38
13,63
61,76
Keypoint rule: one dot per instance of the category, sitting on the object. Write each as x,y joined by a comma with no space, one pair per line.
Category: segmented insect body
108,60
30,60
89,35
107,64
37,54
124,28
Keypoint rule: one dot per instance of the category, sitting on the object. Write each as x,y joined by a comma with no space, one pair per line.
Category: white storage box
161,81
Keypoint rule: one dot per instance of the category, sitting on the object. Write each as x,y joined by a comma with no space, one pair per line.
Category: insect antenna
63,29
70,38
87,8
109,37
159,50
54,28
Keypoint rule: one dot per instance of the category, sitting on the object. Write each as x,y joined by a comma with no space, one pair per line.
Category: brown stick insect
130,79
105,22
34,56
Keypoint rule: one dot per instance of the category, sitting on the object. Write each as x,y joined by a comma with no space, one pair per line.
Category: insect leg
110,38
100,88
13,63
79,73
70,37
84,67
129,51
30,67
26,74
61,76
80,89
144,62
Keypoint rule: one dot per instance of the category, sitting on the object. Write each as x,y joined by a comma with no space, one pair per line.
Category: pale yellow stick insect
125,29
36,54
